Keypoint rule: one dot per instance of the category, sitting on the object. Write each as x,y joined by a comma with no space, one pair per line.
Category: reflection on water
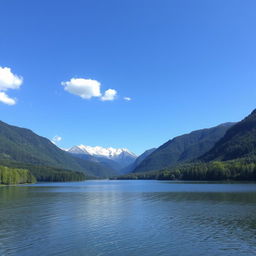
128,218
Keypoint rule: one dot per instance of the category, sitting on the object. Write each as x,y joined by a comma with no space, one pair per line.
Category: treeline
10,176
241,169
47,174
43,173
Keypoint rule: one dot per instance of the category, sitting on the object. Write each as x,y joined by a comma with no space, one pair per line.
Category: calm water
128,218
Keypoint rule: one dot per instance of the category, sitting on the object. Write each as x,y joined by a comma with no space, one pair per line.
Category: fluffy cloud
85,88
88,88
127,98
56,139
8,80
109,94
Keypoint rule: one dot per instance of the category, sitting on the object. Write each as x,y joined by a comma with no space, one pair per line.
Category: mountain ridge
238,142
24,146
137,161
109,152
183,148
116,158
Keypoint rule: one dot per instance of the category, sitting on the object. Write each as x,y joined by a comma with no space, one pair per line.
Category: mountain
183,148
115,158
138,160
238,142
105,162
22,146
233,157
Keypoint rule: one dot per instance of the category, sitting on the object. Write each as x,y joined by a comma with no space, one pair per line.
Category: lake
128,218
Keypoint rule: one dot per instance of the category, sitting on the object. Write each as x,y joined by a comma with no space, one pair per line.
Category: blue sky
185,65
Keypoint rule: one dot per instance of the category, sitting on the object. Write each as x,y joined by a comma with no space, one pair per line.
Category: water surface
128,218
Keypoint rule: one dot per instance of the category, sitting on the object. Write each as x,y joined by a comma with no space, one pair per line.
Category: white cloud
88,88
85,88
6,99
109,94
8,80
56,139
127,98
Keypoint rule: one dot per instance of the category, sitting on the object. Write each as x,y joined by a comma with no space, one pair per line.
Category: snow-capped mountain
122,156
100,151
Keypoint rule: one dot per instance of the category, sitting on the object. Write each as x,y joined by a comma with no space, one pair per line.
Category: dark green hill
233,157
183,148
19,145
238,142
138,160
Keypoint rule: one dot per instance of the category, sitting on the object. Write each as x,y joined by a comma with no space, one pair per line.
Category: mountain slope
238,142
233,157
138,160
183,148
24,146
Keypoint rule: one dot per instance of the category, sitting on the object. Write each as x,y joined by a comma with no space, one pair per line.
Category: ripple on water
128,218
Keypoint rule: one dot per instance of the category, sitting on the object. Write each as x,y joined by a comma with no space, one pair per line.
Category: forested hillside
242,169
22,146
137,162
183,148
232,157
238,142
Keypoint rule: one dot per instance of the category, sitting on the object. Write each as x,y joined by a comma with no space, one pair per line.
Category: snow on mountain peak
101,151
